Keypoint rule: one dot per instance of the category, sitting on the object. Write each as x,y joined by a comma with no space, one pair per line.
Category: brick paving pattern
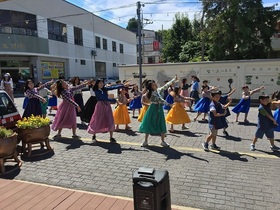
234,178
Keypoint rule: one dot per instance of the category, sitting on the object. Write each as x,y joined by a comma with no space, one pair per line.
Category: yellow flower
33,122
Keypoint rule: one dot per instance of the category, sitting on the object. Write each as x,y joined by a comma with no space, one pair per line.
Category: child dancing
66,116
121,116
216,120
153,121
136,102
177,115
266,124
244,104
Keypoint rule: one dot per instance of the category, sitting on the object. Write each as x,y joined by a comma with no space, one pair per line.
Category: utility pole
139,22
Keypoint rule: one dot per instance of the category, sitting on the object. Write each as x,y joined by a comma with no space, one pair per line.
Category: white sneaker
164,144
144,144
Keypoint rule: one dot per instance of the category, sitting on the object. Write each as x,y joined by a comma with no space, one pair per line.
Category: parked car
9,114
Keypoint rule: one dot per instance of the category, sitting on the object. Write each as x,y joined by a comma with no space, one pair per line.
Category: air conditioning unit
93,53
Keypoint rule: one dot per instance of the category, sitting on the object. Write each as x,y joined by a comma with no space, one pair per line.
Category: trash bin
151,189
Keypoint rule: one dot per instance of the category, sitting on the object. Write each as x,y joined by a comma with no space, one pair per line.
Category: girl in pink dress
66,116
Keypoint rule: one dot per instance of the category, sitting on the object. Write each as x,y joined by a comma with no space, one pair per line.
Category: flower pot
8,149
33,136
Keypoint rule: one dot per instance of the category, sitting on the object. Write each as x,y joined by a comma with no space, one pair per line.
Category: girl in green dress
154,120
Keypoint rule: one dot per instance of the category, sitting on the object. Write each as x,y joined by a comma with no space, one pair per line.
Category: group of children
150,103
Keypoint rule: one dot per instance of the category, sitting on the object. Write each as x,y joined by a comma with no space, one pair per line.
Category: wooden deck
26,195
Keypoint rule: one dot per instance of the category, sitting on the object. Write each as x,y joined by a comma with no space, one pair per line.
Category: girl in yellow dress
145,105
177,114
121,116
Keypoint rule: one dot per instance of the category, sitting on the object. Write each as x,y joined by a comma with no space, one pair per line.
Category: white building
150,47
46,39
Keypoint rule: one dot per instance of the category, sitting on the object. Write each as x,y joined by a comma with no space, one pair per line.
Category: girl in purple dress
102,120
66,116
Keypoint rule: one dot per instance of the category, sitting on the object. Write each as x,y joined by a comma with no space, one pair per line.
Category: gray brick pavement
228,180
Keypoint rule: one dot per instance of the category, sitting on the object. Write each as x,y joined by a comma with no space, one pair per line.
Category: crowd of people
150,102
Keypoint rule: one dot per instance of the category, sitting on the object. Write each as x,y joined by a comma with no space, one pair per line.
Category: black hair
26,85
149,88
176,91
184,81
59,87
276,95
74,79
263,97
205,81
204,86
95,87
196,78
132,91
216,93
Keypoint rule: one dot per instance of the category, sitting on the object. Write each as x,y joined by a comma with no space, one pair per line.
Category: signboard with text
52,70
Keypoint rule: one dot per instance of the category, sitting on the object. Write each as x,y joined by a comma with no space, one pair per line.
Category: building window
104,41
151,59
114,46
83,62
97,41
57,31
121,48
13,22
114,65
78,36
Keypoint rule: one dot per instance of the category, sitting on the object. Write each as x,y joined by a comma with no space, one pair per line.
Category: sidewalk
27,195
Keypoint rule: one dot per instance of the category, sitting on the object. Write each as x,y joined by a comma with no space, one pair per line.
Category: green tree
175,38
132,25
238,29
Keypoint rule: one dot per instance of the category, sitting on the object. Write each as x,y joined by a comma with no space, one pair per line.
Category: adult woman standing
102,120
185,91
7,85
195,89
154,121
78,96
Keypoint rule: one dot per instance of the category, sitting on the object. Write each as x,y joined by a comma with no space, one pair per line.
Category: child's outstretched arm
232,91
256,90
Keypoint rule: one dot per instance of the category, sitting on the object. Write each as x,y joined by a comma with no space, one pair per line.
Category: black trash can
151,189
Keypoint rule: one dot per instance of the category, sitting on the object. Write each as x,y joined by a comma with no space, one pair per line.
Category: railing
18,31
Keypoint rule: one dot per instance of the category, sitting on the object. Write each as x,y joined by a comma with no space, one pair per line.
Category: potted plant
8,147
33,130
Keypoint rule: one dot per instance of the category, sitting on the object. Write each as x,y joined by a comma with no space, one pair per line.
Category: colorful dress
136,102
89,107
120,114
145,104
33,106
276,116
154,121
102,119
78,98
243,105
177,114
44,93
53,101
202,105
217,122
66,112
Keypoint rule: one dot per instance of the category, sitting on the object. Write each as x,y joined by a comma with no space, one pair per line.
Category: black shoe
215,147
226,133
112,140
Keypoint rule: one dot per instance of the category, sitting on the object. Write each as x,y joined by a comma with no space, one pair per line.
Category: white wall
254,73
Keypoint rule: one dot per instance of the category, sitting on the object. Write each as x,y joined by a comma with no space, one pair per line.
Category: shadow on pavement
72,143
37,155
114,148
232,138
233,155
247,124
173,154
128,132
275,153
186,133
12,171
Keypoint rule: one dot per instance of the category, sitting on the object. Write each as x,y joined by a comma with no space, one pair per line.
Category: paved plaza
234,178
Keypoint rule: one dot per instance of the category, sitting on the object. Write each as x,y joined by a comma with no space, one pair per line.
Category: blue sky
160,14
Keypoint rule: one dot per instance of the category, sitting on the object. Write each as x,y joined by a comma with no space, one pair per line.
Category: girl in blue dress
202,106
154,120
244,104
169,99
136,101
194,89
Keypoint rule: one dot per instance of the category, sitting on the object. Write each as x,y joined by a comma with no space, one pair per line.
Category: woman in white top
7,85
